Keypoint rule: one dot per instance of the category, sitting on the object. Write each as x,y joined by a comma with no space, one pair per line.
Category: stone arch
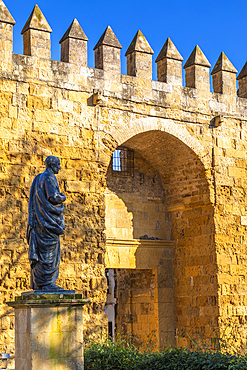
184,167
178,130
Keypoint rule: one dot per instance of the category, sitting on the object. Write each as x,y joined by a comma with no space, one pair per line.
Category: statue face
56,167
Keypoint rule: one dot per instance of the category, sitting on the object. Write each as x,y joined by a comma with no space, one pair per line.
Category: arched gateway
160,235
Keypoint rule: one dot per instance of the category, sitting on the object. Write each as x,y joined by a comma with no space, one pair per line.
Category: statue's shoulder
33,186
46,175
49,180
35,179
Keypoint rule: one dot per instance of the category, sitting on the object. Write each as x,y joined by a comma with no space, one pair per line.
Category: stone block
13,112
236,172
78,187
46,116
67,174
78,96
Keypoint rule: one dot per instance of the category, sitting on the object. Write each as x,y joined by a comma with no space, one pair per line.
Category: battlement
37,44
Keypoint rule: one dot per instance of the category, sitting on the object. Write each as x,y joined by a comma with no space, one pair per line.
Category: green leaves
122,355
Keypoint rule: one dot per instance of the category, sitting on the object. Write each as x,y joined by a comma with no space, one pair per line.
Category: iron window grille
123,162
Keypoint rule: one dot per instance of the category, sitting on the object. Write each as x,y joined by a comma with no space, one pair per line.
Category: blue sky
214,25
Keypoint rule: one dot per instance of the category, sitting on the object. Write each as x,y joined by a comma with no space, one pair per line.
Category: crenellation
5,16
36,35
6,38
169,64
107,52
242,82
139,57
224,76
74,45
197,70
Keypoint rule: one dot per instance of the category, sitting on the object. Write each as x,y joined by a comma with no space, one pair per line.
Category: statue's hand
33,263
63,197
57,198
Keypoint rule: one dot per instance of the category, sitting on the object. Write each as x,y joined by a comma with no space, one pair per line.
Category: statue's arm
57,198
32,255
52,191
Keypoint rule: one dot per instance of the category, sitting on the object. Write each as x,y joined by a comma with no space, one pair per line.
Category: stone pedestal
49,331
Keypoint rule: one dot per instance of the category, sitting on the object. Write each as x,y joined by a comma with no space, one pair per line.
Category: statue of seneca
45,224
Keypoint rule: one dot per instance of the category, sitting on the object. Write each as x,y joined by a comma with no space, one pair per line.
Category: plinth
49,331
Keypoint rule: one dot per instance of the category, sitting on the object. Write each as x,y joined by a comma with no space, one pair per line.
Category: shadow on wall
135,202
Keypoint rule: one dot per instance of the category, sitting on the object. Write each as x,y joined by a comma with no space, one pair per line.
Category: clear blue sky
214,25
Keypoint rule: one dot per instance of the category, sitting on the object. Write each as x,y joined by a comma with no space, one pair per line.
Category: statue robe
45,224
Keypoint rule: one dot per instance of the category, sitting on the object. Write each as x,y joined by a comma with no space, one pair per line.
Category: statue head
53,163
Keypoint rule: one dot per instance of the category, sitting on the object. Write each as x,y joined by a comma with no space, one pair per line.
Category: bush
125,356
112,356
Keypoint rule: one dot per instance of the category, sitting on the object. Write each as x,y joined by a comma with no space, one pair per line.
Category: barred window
123,162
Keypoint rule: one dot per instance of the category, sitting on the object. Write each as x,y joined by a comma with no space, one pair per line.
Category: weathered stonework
74,45
36,35
49,331
189,184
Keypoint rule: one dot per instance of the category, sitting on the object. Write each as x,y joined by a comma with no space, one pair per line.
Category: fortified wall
167,218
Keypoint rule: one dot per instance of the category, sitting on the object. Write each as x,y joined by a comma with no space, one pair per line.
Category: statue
45,224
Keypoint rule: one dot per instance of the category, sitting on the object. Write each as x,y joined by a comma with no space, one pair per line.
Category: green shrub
112,356
125,356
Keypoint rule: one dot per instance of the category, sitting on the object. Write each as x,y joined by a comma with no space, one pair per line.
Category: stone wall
23,150
135,204
137,307
194,138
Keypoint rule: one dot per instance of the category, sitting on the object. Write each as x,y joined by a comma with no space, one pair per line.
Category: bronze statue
45,224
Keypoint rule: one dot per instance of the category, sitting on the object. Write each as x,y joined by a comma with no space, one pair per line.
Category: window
123,162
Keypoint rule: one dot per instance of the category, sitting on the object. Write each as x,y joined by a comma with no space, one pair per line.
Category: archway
161,218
